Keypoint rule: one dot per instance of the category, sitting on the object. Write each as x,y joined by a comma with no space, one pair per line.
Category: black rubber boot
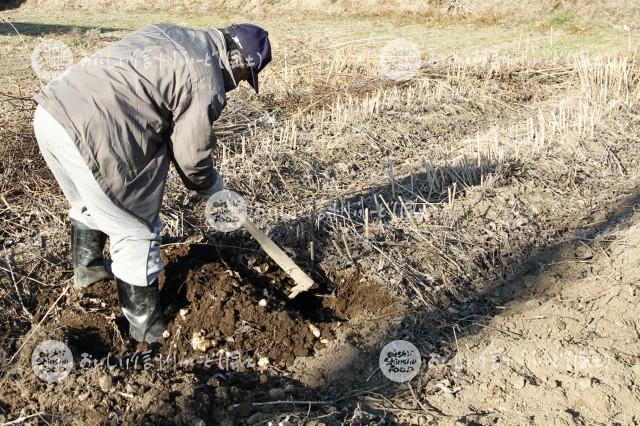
89,265
141,307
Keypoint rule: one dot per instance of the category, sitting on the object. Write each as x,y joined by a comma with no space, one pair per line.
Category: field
482,207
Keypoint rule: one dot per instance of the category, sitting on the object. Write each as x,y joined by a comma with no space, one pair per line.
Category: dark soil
212,295
222,305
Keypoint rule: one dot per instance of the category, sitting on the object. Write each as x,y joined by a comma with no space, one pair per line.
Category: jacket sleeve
193,140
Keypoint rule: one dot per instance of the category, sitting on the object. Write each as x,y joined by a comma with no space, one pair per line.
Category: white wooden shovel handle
302,280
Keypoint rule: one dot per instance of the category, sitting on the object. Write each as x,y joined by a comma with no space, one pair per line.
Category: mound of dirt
219,308
216,304
225,305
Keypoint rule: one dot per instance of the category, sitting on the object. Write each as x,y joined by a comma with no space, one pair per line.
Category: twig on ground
507,332
40,322
292,402
23,419
15,283
17,98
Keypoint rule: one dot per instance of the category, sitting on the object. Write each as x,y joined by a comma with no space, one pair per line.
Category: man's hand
217,186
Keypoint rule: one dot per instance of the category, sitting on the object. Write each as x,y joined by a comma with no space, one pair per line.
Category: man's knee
136,261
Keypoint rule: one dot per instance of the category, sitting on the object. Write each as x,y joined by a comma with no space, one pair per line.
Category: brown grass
567,14
435,186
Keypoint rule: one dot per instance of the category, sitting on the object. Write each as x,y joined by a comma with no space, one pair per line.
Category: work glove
217,186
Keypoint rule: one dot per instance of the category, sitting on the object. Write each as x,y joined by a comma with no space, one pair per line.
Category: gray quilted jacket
142,102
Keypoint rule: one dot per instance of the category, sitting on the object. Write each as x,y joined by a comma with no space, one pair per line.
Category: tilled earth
505,159
233,335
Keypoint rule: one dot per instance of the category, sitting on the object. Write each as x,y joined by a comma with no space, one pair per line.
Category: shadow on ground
10,4
34,29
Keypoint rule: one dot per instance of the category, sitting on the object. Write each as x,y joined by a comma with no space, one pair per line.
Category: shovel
302,280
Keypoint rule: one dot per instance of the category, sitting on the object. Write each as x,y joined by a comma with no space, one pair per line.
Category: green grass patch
559,19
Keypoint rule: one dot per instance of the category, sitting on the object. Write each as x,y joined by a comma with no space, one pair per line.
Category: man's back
120,105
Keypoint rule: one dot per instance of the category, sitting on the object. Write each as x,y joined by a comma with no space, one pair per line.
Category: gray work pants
134,248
